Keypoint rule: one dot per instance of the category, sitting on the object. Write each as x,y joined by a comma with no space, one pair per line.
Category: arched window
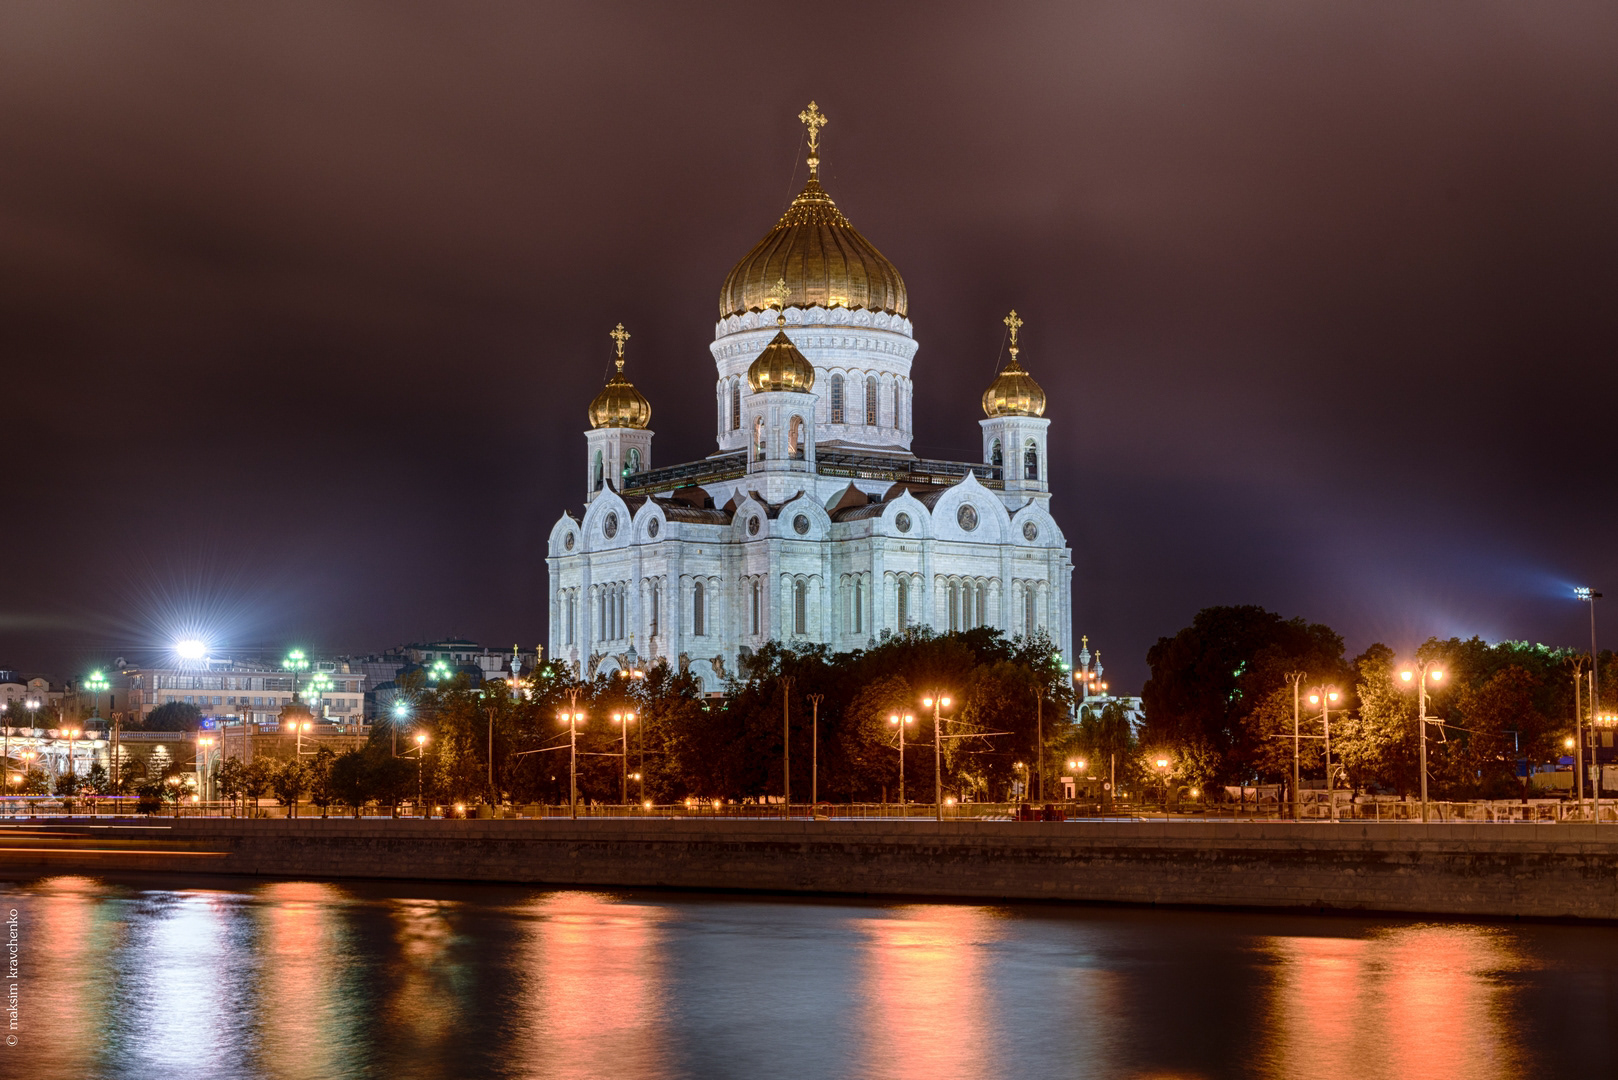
1028,603
983,604
902,594
859,604
966,607
621,622
800,607
735,405
757,599
837,399
758,438
870,400
632,462
653,627
795,439
995,457
600,471
572,616
1030,461
954,607
898,405
697,620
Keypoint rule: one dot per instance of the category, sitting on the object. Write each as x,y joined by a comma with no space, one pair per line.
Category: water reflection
294,980
926,1003
1408,1002
593,995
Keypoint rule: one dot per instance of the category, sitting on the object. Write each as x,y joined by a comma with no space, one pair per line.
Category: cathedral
812,521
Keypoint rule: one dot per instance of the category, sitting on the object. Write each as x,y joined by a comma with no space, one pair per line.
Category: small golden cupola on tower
780,366
1013,392
620,405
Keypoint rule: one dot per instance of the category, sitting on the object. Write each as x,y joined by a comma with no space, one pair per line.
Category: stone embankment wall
1485,870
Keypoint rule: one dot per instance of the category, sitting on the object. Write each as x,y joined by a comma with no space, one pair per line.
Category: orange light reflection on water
925,1000
1411,1003
593,1000
301,948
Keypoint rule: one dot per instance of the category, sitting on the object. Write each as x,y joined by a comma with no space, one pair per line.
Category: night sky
301,305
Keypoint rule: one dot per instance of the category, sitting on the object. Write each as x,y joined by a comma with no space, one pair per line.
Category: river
145,978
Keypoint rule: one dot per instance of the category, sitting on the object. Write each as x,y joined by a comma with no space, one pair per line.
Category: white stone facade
836,533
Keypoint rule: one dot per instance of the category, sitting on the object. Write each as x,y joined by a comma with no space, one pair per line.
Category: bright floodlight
1582,592
190,649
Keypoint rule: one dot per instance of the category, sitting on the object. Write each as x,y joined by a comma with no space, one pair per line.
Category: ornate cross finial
620,335
779,301
1013,324
814,120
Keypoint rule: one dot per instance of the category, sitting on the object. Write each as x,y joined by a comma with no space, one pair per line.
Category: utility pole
814,768
938,753
1296,678
1039,734
1578,728
786,744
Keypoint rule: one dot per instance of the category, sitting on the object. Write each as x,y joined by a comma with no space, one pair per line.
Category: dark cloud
300,306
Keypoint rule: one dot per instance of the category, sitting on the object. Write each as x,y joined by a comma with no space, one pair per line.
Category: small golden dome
1014,392
619,404
780,367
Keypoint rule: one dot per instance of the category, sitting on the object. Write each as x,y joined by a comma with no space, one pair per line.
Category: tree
67,784
1209,679
256,780
321,791
232,779
34,782
290,780
870,742
96,780
173,716
351,780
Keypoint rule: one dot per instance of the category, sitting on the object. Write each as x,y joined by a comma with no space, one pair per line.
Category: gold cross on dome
1014,324
620,335
814,120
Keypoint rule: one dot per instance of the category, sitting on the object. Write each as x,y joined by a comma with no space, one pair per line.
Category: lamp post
786,745
814,754
571,717
1163,764
1077,766
1324,696
1590,596
936,703
623,720
295,661
421,787
204,755
634,674
1425,670
298,728
899,722
401,713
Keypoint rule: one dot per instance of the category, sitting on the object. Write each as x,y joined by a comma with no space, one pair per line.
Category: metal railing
905,470
692,473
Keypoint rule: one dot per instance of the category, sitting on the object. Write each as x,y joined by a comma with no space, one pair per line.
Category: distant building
240,690
17,689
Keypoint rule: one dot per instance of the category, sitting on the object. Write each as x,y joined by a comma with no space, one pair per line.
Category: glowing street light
899,722
1421,674
572,718
191,649
937,703
421,753
401,713
439,672
97,684
295,662
1325,697
623,720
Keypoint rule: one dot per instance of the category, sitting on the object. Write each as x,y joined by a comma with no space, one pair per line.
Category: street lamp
300,728
421,753
1163,764
899,722
295,662
1590,596
401,713
1076,766
204,755
73,733
439,672
1420,674
937,703
623,720
97,684
1324,696
571,719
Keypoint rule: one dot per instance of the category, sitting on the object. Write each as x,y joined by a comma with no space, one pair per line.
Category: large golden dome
619,404
823,259
780,367
1014,392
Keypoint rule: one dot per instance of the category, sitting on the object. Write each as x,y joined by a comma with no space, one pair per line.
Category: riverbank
1540,871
